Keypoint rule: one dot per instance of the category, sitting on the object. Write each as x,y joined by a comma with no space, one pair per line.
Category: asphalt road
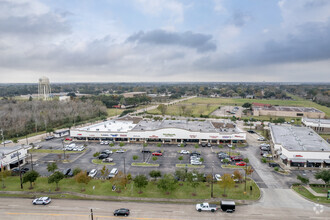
14,208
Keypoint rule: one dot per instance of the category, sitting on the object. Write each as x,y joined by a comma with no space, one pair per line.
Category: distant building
321,126
64,98
287,111
9,156
249,96
134,94
300,147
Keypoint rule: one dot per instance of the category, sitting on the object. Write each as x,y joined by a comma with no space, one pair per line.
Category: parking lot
167,162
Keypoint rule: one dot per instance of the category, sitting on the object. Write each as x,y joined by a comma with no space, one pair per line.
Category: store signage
123,135
192,136
15,155
114,135
153,136
213,136
297,156
169,135
92,135
237,136
136,136
79,134
104,134
226,136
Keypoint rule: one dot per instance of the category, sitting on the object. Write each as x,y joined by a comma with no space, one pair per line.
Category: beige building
321,126
288,111
134,94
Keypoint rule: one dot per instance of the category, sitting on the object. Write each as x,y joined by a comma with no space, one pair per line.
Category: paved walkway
315,193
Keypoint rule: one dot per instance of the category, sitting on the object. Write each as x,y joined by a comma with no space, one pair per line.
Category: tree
246,105
162,108
135,157
226,182
154,158
159,145
323,175
96,154
303,179
31,177
76,171
167,183
181,174
226,161
155,173
140,181
51,167
180,158
82,178
238,175
209,178
194,179
119,180
104,172
56,177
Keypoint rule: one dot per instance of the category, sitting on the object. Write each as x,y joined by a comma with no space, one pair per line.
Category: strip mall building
136,130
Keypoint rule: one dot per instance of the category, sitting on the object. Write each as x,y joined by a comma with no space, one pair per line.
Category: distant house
134,94
249,96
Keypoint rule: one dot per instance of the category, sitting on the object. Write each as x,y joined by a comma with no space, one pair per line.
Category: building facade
10,156
320,126
288,111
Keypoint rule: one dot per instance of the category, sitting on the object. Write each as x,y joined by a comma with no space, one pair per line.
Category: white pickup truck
206,207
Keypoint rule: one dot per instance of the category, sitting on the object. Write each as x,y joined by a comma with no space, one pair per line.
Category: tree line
18,118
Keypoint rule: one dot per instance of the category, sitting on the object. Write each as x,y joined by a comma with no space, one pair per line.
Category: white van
113,173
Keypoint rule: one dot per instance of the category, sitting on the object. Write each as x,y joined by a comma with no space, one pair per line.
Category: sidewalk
315,193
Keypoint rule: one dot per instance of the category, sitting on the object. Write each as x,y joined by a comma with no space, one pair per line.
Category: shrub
121,144
263,160
96,154
276,169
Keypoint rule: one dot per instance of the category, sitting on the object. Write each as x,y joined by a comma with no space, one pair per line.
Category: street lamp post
212,183
19,169
63,149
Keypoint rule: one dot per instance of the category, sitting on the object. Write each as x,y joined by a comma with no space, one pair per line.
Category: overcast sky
164,40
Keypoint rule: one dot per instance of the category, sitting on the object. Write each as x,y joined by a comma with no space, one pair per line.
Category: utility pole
212,183
3,140
63,149
91,214
245,176
31,162
19,169
125,171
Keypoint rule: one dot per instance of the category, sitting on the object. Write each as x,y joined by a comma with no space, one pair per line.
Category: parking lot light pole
19,169
31,162
63,149
212,183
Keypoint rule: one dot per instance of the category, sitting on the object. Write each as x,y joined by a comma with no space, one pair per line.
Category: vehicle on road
107,160
103,156
120,151
7,142
157,153
41,201
217,177
251,131
121,212
184,152
227,206
206,207
92,173
49,138
242,164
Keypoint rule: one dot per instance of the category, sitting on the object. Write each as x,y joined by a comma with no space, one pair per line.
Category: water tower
44,88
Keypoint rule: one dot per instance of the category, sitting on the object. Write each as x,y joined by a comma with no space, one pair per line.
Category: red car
242,164
68,139
157,153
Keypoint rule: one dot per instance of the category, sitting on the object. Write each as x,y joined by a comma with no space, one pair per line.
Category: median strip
189,165
145,165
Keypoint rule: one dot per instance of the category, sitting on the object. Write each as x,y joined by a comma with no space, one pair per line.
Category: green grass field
320,189
104,188
305,193
206,106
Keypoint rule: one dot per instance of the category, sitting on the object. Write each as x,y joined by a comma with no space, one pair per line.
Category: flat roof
291,109
8,150
295,138
316,120
110,126
194,126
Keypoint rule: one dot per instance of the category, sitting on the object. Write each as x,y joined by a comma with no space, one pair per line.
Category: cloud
200,42
240,19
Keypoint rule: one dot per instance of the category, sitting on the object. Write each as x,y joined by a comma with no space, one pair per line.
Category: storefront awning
327,160
283,157
314,161
298,160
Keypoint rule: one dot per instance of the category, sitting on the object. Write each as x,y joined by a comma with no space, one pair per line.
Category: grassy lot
189,165
305,193
113,111
185,191
48,151
233,166
145,165
98,161
320,189
325,136
206,106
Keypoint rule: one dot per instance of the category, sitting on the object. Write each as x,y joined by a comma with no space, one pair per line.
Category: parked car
242,164
227,206
196,162
107,160
265,148
271,164
217,177
49,138
92,173
25,169
102,142
68,139
106,152
195,153
203,144
157,153
206,207
262,152
113,173
236,158
184,152
122,212
146,151
120,151
209,144
66,171
41,201
103,156
261,139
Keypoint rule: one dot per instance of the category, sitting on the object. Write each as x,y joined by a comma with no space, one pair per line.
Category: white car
107,160
7,142
92,173
101,142
120,151
261,139
217,177
195,162
184,152
41,201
